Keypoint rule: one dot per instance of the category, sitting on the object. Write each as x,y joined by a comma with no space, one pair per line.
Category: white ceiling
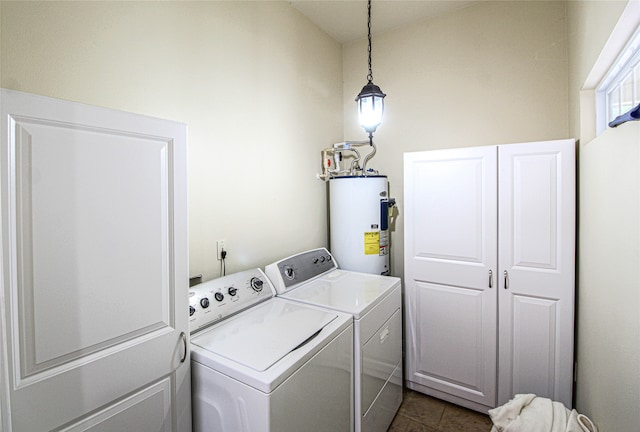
346,20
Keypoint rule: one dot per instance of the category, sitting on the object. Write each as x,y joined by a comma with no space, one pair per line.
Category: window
620,89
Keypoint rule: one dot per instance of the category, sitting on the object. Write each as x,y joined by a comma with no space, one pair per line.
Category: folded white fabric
529,413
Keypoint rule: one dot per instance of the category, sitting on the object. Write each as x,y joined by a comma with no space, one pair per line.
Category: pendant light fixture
370,99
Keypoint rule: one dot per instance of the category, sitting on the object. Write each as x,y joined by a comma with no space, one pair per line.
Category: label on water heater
372,243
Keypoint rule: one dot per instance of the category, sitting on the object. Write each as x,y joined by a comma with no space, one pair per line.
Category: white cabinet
489,270
93,323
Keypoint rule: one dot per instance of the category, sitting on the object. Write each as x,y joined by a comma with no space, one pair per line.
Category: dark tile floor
421,413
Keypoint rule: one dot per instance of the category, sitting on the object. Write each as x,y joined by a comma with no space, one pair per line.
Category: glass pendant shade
370,106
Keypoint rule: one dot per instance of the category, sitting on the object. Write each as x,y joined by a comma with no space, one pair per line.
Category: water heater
359,223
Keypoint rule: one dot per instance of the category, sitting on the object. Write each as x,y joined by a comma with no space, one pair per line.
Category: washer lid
347,291
265,334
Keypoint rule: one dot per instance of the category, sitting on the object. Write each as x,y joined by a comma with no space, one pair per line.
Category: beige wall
608,342
492,73
608,309
259,87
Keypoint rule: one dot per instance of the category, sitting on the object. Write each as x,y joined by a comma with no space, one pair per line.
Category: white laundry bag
530,413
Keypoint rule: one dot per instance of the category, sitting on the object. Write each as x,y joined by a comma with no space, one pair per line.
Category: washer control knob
315,260
232,291
328,257
289,273
192,310
219,296
256,284
322,259
204,302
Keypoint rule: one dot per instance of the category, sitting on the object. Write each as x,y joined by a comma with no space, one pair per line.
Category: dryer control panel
290,272
217,299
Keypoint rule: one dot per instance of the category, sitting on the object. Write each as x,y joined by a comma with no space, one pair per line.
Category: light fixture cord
370,75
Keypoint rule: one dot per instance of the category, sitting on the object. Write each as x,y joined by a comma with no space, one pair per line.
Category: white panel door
450,263
94,269
536,256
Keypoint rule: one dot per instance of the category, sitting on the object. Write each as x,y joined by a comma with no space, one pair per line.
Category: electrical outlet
220,247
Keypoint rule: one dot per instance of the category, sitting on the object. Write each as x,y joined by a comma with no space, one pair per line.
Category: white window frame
627,64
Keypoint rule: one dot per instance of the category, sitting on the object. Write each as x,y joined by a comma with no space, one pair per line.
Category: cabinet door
450,259
94,269
536,258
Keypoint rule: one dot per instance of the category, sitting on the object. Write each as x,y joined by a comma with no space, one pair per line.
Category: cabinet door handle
490,278
506,280
186,348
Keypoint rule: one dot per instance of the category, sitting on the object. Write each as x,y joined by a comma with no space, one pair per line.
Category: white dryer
266,364
313,278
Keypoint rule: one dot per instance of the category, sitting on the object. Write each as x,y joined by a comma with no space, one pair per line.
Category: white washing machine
313,278
266,364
